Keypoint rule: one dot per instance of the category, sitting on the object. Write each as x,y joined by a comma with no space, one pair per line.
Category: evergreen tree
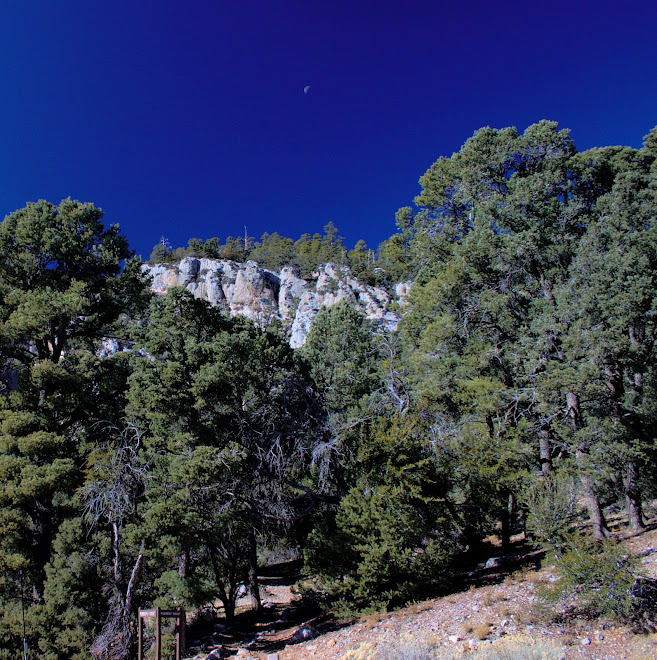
227,419
610,295
64,289
391,537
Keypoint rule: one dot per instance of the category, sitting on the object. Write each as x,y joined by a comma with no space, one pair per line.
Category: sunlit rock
263,295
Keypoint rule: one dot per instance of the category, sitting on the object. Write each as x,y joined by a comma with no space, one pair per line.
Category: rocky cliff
263,295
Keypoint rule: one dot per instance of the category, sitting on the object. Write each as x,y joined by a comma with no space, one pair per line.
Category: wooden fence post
180,636
140,635
158,635
158,613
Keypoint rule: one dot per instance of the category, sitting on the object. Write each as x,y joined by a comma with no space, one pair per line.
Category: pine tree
63,290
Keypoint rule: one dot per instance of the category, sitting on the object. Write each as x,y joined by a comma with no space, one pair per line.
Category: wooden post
140,635
158,613
180,635
158,635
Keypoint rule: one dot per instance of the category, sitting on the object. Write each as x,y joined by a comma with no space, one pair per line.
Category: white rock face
263,295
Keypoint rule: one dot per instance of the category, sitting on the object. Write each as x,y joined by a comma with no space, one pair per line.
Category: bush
392,538
551,502
377,552
596,576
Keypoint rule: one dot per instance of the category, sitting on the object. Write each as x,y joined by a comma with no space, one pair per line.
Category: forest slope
496,611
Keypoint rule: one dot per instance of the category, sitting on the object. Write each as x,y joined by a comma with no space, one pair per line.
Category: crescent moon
306,88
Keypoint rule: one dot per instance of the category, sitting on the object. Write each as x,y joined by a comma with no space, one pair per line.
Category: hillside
496,611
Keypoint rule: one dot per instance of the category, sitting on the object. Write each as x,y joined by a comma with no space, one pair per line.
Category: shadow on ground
279,625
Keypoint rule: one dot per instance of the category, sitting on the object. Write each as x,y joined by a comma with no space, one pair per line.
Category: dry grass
520,650
372,620
408,648
527,617
503,611
481,632
424,649
363,652
517,576
512,579
568,639
537,578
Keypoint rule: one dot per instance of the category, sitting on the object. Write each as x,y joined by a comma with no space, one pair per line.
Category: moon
306,88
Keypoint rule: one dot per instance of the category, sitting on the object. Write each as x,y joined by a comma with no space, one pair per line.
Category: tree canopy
518,394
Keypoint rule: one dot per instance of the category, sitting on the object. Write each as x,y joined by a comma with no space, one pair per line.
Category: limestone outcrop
263,295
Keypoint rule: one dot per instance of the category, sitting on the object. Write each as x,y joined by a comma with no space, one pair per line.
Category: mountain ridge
263,295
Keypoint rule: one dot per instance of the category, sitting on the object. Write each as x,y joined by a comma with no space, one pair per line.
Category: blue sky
189,119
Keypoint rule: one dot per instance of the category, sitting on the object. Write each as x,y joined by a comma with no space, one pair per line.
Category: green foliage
600,577
381,267
225,415
391,532
340,356
523,371
551,502
61,270
73,605
160,254
506,335
67,284
377,553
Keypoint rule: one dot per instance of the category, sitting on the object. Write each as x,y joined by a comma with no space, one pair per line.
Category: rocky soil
497,608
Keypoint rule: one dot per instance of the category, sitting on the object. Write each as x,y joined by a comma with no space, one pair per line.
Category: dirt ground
495,606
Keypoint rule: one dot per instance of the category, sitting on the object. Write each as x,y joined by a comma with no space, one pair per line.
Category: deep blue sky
188,119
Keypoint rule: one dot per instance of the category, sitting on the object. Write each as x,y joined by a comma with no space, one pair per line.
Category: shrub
392,538
481,632
598,576
378,552
551,501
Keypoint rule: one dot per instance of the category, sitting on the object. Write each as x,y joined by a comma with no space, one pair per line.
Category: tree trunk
507,513
134,578
633,499
183,562
544,451
42,536
227,597
116,640
598,523
229,610
118,573
254,586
